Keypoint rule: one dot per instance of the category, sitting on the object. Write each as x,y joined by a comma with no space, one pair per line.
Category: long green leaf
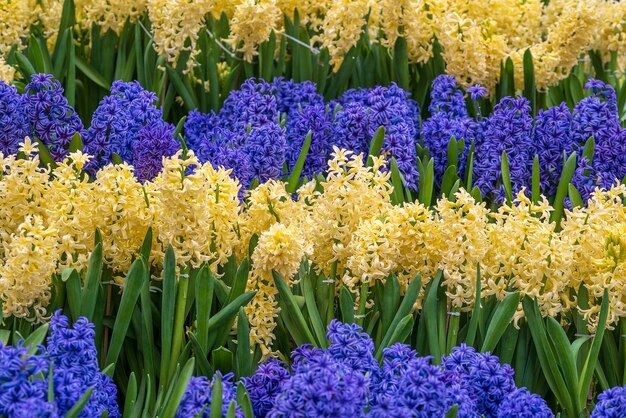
501,319
132,288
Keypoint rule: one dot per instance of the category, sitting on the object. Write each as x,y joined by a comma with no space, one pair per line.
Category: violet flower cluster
345,380
260,131
72,357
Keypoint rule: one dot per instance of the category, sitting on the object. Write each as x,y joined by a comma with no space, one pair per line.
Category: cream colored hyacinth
281,248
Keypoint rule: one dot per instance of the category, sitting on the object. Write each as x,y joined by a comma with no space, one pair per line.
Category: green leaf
92,283
91,73
294,178
592,357
430,318
36,338
566,177
346,303
502,317
536,182
131,396
476,313
205,283
401,63
244,365
396,179
132,288
391,300
76,144
229,311
426,192
170,408
72,286
243,399
574,197
453,411
216,398
167,309
530,90
567,361
181,89
376,145
44,154
312,310
410,297
289,307
506,178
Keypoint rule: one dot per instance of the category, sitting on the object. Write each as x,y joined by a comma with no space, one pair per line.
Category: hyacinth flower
507,130
449,118
71,355
345,380
14,122
52,120
128,124
611,403
198,397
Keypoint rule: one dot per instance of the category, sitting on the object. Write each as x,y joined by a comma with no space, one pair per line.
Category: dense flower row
345,223
71,358
476,36
262,128
345,380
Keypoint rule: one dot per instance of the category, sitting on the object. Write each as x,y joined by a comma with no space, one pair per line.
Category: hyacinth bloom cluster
347,221
345,380
611,403
247,136
198,395
71,354
127,123
49,218
475,37
260,131
51,119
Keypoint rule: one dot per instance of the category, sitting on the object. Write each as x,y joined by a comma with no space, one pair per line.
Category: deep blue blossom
22,394
447,98
460,394
477,92
350,344
508,129
553,140
74,357
14,122
490,382
198,396
199,128
437,132
117,122
391,108
322,386
254,104
408,386
265,146
611,403
596,116
290,96
265,384
351,128
523,404
316,119
154,142
52,120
